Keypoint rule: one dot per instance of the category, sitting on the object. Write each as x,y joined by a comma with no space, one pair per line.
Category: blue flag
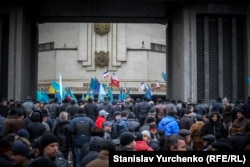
110,94
248,80
164,76
46,98
121,96
58,96
102,93
39,96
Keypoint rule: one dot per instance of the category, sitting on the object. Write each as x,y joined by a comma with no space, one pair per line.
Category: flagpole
60,83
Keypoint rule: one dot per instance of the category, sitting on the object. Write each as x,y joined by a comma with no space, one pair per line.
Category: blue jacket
170,125
80,127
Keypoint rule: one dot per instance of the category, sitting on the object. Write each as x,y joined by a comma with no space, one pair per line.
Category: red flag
114,81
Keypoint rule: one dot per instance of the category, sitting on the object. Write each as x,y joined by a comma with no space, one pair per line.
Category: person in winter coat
127,142
140,144
95,144
62,133
101,119
169,123
214,126
103,158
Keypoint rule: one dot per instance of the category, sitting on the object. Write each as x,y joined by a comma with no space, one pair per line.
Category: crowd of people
81,133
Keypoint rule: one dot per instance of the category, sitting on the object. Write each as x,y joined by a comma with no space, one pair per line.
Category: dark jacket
62,133
94,149
101,161
91,110
35,130
80,127
54,110
215,128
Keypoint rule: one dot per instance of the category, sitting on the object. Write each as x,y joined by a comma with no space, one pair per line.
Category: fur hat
126,138
47,139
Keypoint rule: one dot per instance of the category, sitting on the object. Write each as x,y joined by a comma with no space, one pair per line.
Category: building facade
136,53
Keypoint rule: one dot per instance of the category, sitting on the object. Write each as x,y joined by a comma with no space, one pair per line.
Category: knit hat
138,136
47,139
126,138
23,133
146,133
4,145
20,148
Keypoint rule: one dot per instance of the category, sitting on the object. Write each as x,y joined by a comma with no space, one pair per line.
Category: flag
164,76
110,94
142,86
121,96
105,74
157,85
45,96
102,93
89,95
83,97
248,80
57,95
148,92
51,89
127,93
55,85
94,85
60,85
97,86
70,94
114,81
39,96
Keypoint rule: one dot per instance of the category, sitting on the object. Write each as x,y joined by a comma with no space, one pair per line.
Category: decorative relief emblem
102,28
101,58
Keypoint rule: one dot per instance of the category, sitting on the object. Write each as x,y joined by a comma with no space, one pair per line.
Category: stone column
184,74
22,70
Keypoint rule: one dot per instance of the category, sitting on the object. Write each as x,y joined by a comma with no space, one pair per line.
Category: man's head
186,134
103,113
146,136
107,126
174,143
20,153
49,144
127,139
240,114
117,115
